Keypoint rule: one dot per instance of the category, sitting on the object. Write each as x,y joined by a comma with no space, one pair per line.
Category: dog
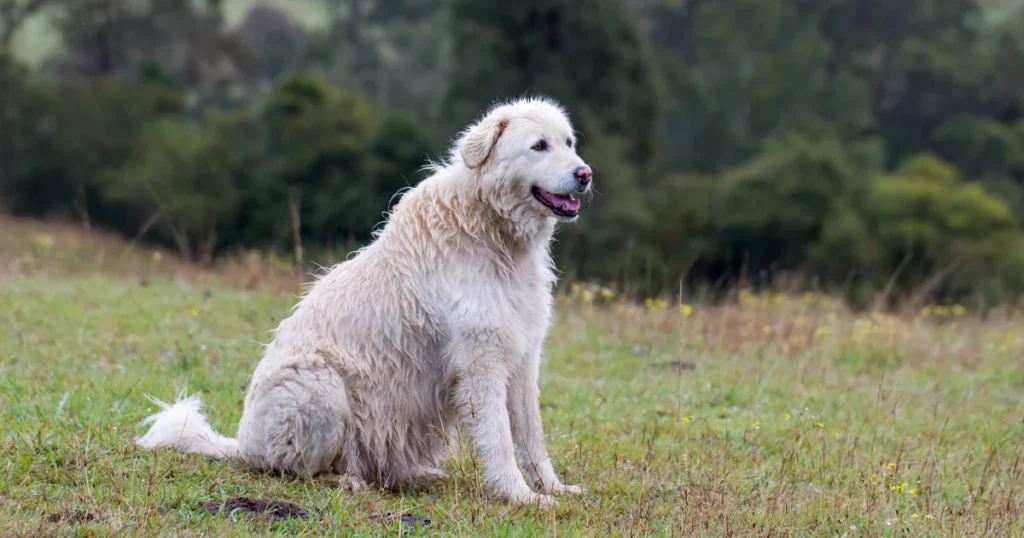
438,323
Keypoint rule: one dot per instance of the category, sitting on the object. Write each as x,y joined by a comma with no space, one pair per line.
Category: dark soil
75,517
272,510
410,520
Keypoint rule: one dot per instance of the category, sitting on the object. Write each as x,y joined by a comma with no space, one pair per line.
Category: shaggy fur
439,322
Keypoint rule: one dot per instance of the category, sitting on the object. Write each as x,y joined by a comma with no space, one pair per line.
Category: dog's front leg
482,396
528,430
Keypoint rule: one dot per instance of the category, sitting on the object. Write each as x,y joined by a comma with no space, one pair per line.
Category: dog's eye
568,142
540,146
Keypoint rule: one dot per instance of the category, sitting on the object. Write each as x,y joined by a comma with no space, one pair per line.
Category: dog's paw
561,488
558,488
535,499
344,481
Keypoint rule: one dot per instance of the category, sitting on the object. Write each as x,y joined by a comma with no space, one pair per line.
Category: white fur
184,428
439,322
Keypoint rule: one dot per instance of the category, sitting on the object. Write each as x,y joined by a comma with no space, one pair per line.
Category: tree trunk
207,248
181,240
81,205
293,212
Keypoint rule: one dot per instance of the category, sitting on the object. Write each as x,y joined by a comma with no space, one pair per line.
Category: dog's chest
517,302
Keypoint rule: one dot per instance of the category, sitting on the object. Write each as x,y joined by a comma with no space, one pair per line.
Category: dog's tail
182,427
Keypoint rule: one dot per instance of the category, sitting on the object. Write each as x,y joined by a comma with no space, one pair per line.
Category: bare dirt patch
269,509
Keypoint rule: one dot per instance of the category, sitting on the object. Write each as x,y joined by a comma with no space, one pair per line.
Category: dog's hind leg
295,419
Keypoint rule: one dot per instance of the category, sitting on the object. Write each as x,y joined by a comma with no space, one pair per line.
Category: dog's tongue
565,202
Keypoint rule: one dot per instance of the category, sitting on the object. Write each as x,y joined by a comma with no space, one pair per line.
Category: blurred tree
776,205
274,40
395,51
14,13
316,131
26,122
749,71
592,56
932,223
179,173
354,205
187,39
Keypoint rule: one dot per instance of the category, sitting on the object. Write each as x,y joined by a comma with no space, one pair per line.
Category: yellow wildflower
819,425
913,492
958,310
787,416
929,516
44,240
913,516
686,309
890,466
655,304
194,313
686,420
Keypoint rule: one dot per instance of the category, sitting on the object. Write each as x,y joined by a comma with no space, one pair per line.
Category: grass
770,415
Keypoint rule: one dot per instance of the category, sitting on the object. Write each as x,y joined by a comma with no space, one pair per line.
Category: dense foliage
875,149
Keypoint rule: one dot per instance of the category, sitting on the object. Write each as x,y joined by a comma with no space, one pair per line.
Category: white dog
440,321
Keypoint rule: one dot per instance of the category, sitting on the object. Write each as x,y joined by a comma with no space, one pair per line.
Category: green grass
695,425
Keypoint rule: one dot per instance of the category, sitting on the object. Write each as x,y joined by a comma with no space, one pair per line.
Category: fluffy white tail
182,427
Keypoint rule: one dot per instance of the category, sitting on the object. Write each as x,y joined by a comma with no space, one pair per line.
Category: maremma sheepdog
438,323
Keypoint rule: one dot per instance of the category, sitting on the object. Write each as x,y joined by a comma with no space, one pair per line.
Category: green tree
179,173
25,108
315,131
777,204
932,224
591,55
353,204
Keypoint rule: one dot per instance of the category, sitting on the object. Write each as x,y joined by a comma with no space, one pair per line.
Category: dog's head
524,155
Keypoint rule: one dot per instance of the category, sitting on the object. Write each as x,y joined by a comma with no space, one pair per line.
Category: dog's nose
584,174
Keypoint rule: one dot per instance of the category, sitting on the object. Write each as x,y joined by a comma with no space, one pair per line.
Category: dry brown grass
67,250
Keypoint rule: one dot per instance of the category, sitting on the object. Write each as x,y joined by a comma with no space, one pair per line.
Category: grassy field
772,415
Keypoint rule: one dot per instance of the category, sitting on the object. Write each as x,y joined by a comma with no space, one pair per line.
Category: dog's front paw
534,499
560,488
554,487
344,481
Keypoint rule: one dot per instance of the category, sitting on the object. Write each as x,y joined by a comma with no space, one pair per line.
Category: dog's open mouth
562,204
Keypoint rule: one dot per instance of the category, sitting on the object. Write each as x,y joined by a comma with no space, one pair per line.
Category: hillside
36,40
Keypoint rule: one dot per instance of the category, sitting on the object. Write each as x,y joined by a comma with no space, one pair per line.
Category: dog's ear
480,141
